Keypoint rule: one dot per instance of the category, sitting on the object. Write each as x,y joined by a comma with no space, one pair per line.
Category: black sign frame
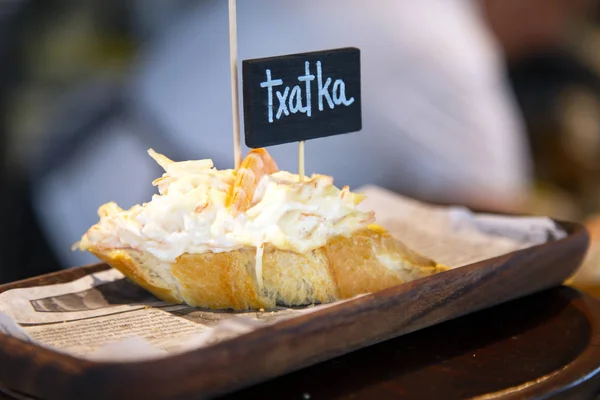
276,92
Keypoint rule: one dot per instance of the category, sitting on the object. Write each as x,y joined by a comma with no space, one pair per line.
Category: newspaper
104,316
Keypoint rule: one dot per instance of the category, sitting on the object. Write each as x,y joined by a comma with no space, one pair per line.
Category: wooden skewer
235,112
301,160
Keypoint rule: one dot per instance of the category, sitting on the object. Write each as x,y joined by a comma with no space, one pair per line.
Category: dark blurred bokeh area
62,65
66,68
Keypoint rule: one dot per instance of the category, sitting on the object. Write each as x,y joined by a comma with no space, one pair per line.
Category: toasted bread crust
135,266
367,261
219,280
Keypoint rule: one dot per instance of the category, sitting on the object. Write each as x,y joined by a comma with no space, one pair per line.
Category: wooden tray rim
353,309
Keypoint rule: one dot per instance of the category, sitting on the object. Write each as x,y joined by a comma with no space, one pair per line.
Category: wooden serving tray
292,344
542,346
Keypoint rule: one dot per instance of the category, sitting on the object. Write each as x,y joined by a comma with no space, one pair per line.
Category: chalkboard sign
301,96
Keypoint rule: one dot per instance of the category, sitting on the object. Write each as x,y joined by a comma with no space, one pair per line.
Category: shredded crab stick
257,164
202,209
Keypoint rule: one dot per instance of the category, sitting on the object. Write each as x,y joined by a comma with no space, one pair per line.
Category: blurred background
67,69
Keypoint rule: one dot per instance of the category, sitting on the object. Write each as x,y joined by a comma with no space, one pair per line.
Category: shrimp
258,163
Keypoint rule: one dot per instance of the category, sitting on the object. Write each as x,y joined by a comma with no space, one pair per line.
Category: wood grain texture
536,345
313,338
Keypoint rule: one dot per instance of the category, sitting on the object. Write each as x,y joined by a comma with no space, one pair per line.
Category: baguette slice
366,261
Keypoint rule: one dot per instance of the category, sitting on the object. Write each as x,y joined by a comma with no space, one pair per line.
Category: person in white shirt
439,120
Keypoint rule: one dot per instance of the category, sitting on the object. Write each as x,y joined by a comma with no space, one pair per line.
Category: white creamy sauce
189,215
